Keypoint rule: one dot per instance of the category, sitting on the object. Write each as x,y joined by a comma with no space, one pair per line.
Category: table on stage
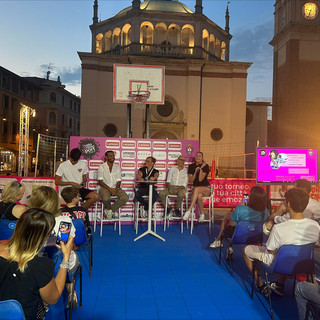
149,231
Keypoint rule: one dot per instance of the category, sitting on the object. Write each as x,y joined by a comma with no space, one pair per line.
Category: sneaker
177,213
277,288
187,215
264,290
216,244
265,230
201,218
108,213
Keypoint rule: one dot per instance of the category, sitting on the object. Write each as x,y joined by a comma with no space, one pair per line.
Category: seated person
71,197
312,210
11,193
19,259
147,173
109,179
298,230
304,292
198,176
177,182
256,210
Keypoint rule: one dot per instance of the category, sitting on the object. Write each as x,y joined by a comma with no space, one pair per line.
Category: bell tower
296,75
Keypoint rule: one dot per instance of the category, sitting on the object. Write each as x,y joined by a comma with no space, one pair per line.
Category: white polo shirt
72,172
109,178
178,177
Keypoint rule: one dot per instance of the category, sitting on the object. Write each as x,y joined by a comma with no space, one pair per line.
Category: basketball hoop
139,96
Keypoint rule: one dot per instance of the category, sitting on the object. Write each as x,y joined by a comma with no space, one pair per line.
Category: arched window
160,33
223,51
116,37
211,43
99,47
217,48
174,35
146,36
52,118
205,40
126,34
53,97
107,40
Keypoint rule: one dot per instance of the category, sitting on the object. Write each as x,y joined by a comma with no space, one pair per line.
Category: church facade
205,93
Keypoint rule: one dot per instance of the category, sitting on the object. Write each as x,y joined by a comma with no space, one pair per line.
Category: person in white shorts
298,230
73,172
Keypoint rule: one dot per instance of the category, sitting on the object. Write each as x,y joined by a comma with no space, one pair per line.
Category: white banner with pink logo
130,155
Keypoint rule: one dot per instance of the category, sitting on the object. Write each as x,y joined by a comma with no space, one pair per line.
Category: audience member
256,210
24,275
73,172
298,230
198,175
71,197
304,292
312,210
109,179
147,173
11,193
177,181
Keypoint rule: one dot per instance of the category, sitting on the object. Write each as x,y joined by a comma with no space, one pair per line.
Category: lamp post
25,113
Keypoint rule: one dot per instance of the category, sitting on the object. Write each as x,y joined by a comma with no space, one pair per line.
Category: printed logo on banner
128,175
173,155
174,145
126,154
110,144
160,155
89,148
127,165
93,175
116,154
144,144
159,145
160,165
127,144
141,164
131,195
95,164
162,175
127,185
171,164
189,149
92,184
143,154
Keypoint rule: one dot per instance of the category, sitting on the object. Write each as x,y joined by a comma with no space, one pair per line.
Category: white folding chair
167,219
210,211
99,216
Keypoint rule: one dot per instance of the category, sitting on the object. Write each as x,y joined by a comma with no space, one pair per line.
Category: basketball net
139,98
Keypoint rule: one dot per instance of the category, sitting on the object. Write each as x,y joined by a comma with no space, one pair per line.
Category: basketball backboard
129,79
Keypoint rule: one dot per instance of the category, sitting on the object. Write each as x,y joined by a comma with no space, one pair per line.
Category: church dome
161,5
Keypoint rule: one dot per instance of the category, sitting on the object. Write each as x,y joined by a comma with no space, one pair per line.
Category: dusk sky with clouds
37,33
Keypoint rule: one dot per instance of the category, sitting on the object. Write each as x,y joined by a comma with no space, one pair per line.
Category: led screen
275,165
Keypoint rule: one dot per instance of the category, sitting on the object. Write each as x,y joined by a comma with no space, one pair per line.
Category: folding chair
167,219
210,219
82,239
290,260
246,232
11,310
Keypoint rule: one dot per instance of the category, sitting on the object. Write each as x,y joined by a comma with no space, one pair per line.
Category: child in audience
71,196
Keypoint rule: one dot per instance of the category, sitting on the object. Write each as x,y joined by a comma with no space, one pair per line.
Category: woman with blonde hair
11,193
25,275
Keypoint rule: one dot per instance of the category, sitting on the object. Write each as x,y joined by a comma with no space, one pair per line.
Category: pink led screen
276,165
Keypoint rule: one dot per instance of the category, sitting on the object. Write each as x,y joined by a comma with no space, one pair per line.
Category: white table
149,231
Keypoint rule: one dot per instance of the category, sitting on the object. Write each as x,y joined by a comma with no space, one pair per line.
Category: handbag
6,226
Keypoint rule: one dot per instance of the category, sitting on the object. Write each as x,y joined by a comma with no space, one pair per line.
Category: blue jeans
304,292
145,192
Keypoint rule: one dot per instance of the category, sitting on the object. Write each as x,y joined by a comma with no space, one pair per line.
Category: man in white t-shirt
298,230
177,182
109,179
312,210
73,172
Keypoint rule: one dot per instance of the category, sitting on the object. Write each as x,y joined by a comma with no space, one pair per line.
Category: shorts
84,192
257,253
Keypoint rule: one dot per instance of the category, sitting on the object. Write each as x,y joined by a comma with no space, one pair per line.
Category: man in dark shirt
147,173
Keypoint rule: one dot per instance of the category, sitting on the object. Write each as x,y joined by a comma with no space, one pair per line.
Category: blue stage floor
176,279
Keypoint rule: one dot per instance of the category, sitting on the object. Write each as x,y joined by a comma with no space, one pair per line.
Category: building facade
205,93
296,75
